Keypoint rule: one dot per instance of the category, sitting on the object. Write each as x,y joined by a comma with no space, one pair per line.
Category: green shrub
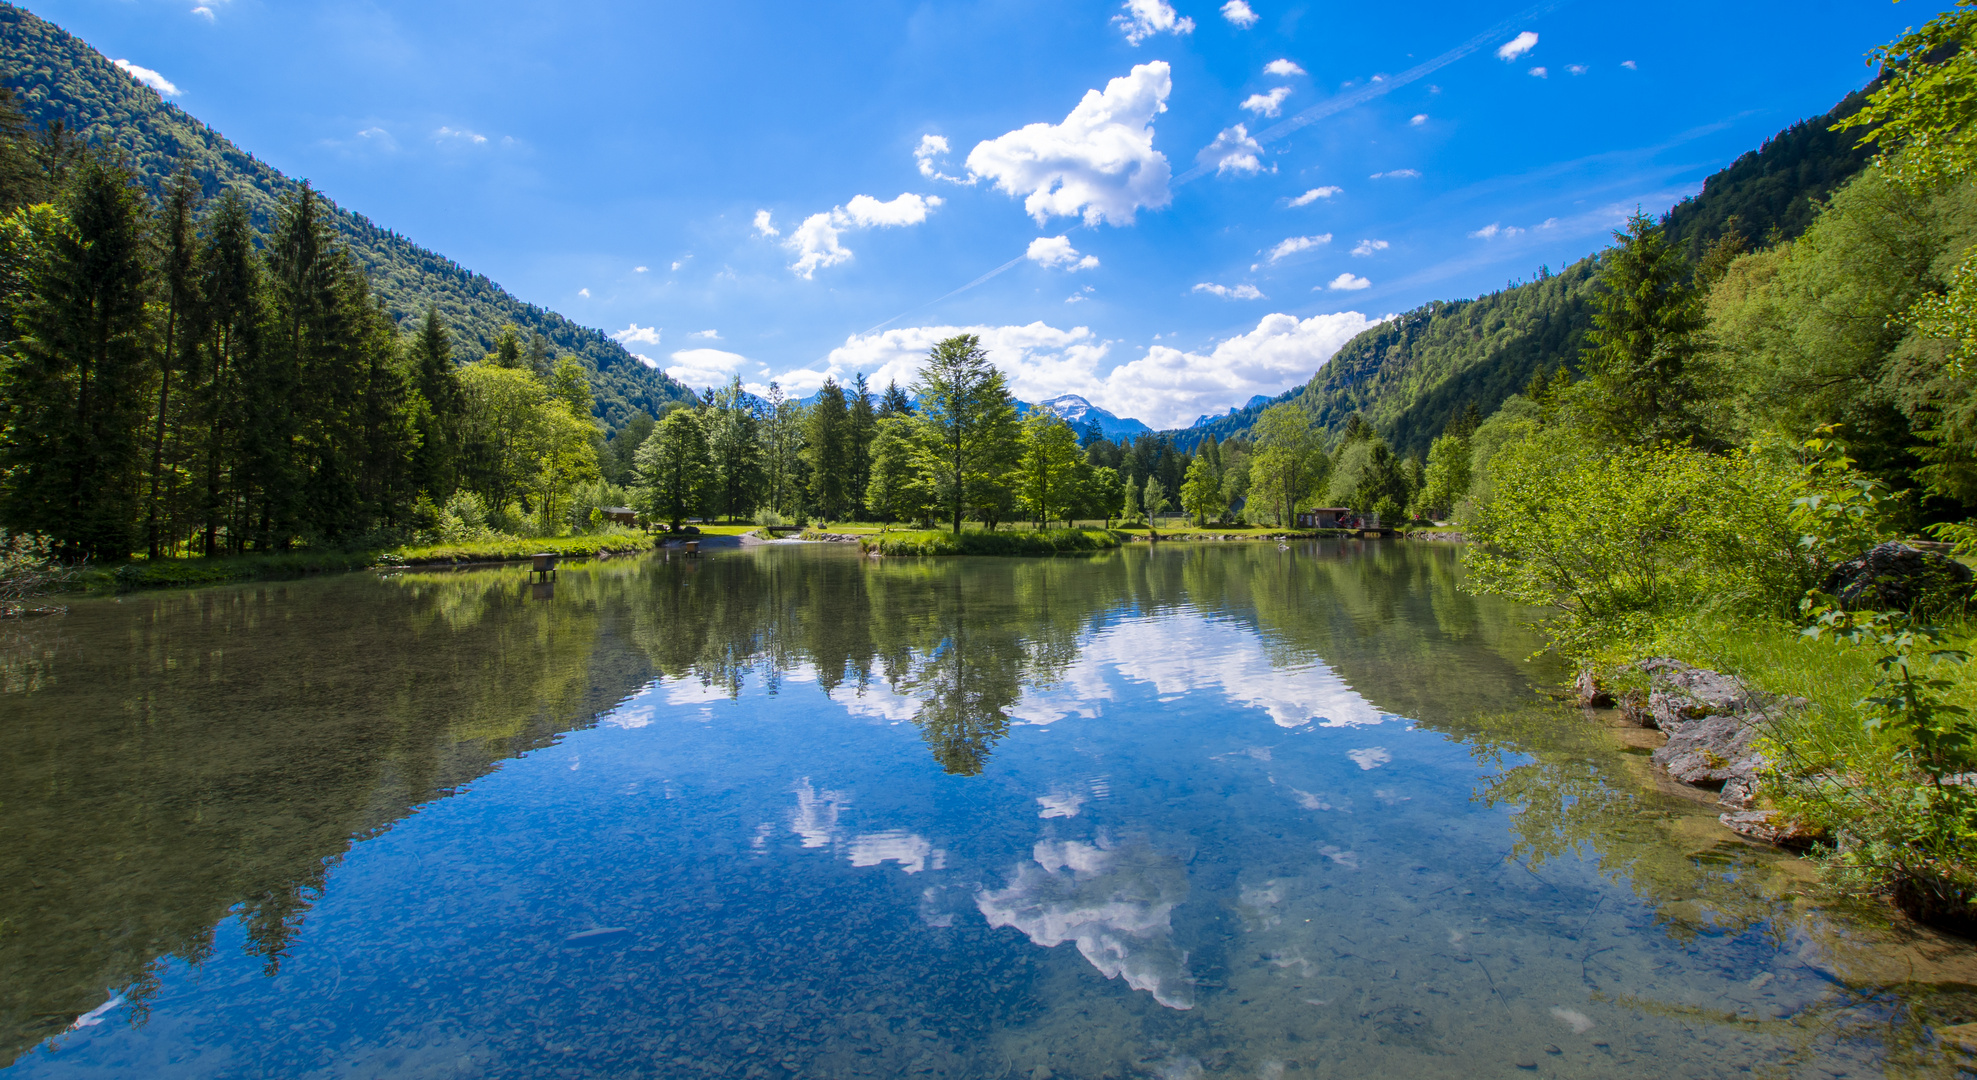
1614,538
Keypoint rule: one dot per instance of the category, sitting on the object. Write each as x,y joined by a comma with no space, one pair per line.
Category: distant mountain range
1078,412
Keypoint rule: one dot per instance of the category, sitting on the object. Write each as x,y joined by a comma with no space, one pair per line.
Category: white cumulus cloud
1347,283
1291,246
1239,13
1368,247
1282,67
763,226
585,293
817,243
1099,163
1314,195
707,335
1494,230
640,269
1418,119
1396,174
1166,387
1270,104
1052,252
1540,73
1233,151
1145,18
148,77
1577,69
1517,46
706,367
1240,292
637,335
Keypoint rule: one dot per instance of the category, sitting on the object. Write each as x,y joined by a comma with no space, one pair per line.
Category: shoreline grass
288,565
978,542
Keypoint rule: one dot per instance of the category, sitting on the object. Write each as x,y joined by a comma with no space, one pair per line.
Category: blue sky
615,161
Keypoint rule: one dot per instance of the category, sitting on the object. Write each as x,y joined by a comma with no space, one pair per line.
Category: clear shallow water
1207,810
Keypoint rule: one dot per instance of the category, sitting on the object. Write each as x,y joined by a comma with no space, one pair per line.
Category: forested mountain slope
1409,376
57,76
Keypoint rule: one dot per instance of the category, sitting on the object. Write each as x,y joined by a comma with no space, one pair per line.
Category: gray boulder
1712,721
1896,577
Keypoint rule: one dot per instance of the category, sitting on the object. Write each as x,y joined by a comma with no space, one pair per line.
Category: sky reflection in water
1220,810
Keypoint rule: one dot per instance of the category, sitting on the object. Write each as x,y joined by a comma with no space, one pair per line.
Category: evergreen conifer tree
77,393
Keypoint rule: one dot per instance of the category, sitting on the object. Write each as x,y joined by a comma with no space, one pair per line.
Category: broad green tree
896,491
1289,465
674,467
967,425
1046,474
1201,493
734,443
1445,482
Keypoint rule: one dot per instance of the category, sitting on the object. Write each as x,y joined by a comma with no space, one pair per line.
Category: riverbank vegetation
1739,471
1005,542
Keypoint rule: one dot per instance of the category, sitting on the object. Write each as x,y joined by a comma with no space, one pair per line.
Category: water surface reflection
1207,809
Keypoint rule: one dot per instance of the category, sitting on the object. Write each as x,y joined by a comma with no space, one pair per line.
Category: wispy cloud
1282,67
1540,73
704,335
1145,18
1418,119
1315,194
1239,13
1368,247
585,293
1233,151
458,135
1291,246
1269,104
1396,174
148,77
1347,283
1630,65
640,269
1577,69
931,149
1494,230
1517,46
1239,292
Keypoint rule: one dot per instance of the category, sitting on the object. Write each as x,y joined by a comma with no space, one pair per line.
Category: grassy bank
975,542
509,549
285,566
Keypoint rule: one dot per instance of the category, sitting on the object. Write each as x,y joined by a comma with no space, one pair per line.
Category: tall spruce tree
1643,351
827,438
77,391
178,252
864,421
228,365
435,376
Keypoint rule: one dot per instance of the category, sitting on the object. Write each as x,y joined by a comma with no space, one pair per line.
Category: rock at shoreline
1896,577
1768,827
1591,694
1712,721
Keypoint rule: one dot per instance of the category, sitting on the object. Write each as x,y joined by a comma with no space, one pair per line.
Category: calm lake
1205,810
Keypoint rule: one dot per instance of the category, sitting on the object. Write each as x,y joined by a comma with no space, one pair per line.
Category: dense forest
58,78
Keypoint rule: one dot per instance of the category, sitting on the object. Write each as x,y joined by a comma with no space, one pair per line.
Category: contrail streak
938,299
1332,106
